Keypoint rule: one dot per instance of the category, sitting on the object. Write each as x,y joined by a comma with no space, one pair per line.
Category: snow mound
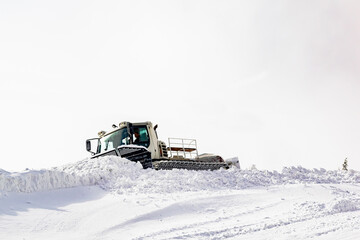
82,173
2,171
123,176
344,205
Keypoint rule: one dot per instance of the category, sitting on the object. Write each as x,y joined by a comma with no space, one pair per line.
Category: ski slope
113,198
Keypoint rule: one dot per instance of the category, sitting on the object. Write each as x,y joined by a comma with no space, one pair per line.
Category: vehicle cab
126,133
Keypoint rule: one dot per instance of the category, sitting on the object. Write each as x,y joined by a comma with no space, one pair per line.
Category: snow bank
82,173
123,176
344,205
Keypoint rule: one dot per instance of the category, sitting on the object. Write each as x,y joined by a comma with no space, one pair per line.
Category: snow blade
136,154
131,152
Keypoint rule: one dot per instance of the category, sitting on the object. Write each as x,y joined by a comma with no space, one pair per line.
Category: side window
141,136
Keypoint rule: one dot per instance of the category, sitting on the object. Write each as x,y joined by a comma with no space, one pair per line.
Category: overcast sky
275,83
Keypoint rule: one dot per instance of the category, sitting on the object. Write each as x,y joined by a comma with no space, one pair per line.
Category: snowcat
139,142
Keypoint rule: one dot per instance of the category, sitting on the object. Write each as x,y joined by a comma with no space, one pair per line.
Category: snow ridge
123,176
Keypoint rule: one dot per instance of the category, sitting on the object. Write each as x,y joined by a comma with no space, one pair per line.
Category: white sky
275,83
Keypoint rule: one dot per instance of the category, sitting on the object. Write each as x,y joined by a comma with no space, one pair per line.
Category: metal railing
182,147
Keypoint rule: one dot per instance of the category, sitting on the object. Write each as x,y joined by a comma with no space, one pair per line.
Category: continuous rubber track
189,165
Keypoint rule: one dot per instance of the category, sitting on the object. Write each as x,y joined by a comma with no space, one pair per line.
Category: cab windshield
113,140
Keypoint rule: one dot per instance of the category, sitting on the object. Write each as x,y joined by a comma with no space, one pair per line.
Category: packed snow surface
113,198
